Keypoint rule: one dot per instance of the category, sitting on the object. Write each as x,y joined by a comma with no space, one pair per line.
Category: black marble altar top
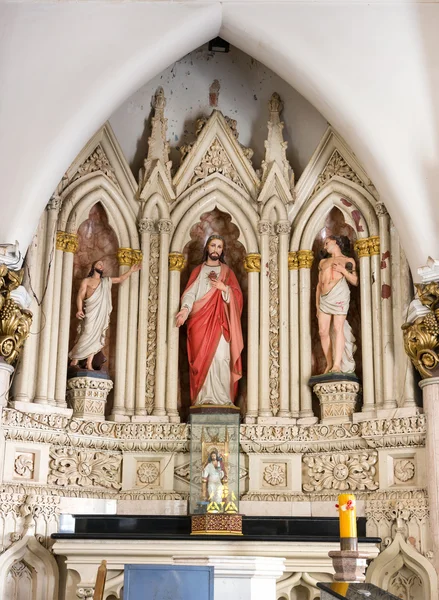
358,591
307,529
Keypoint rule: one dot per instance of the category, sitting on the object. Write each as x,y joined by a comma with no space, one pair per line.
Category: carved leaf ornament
84,468
341,472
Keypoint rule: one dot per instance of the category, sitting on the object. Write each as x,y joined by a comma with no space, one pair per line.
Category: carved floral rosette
88,396
337,400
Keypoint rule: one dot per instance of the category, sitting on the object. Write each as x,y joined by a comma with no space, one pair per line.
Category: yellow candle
348,516
341,587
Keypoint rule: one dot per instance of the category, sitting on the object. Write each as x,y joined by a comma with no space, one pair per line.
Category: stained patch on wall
214,93
386,291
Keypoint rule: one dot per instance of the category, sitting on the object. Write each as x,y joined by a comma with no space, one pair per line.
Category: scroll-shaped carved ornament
252,263
15,321
421,338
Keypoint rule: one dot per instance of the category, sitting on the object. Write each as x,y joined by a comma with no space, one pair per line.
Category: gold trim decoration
374,245
362,247
421,337
129,257
252,263
15,321
305,259
177,262
216,524
293,261
66,242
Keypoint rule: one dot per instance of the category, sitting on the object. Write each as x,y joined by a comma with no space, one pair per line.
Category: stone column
47,304
131,257
430,395
283,231
176,265
119,411
165,228
264,229
387,340
241,577
146,227
293,266
363,250
252,265
374,252
305,260
67,243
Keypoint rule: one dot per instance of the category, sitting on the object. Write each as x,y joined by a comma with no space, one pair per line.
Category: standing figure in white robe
94,307
332,300
212,477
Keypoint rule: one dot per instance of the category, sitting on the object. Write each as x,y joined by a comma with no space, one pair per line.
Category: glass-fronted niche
214,463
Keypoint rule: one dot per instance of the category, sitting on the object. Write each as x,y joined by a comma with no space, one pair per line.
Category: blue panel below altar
168,582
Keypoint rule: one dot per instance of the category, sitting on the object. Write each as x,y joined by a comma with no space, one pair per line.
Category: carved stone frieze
85,593
54,203
341,472
265,227
66,242
164,226
151,340
388,506
336,166
177,261
69,466
146,226
283,228
15,321
252,263
216,160
273,338
380,209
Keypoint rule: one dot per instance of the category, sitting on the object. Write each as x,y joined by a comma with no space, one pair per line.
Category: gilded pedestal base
216,524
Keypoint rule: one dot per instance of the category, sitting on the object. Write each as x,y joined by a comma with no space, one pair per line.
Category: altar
270,550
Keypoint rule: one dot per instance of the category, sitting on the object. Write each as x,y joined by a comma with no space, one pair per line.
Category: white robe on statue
216,388
336,302
94,325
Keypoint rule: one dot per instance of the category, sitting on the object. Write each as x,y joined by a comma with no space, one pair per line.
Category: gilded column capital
129,257
164,226
374,245
421,335
305,259
362,247
265,227
293,261
177,262
66,242
381,210
283,227
252,263
146,226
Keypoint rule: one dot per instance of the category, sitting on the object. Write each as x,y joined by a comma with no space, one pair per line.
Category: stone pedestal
349,565
5,379
337,395
87,395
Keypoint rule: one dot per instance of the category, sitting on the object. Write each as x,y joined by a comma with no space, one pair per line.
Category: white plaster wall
246,86
371,69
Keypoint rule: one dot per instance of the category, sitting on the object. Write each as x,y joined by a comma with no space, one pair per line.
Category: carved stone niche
88,395
337,399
